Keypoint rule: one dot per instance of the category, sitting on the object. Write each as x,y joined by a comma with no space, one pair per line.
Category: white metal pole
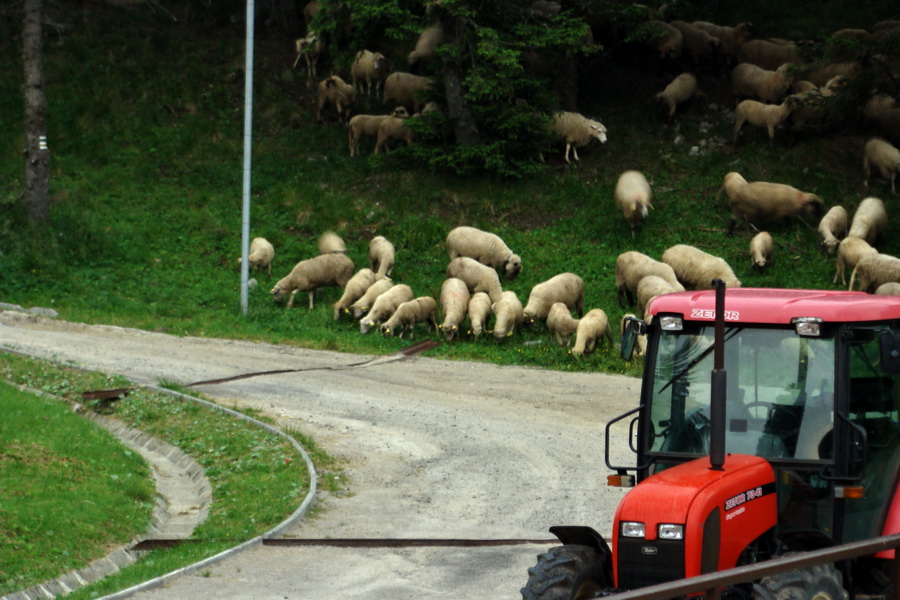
248,145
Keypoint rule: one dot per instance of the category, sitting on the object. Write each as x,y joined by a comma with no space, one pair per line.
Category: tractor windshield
779,400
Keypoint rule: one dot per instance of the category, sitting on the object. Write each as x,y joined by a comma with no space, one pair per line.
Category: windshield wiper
728,335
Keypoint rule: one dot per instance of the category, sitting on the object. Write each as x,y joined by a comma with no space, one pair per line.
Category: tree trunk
37,157
465,128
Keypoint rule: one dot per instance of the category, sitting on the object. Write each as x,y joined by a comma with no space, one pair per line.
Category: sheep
405,89
885,157
356,287
833,227
633,195
310,11
419,310
761,200
367,125
640,347
392,129
756,83
869,220
845,70
652,286
850,250
875,270
592,327
567,288
335,91
561,324
508,314
487,248
309,47
381,256
666,38
732,38
759,114
260,255
365,302
479,311
331,243
370,68
632,266
426,45
477,277
701,45
891,288
454,304
697,269
385,305
308,275
576,130
680,90
761,246
768,54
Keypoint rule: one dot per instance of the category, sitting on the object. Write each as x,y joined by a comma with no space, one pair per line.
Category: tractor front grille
642,563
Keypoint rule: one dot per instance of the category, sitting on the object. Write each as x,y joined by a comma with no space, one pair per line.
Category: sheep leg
311,294
290,301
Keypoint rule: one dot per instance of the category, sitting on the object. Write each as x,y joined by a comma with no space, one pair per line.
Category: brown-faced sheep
325,270
768,54
335,92
631,267
418,310
405,89
367,125
455,298
487,248
561,324
875,270
576,130
426,45
759,114
885,157
369,68
850,250
591,328
732,38
381,256
508,314
833,227
385,305
869,220
331,243
355,289
701,46
477,277
260,255
680,90
666,38
365,302
650,287
567,288
392,129
633,195
762,200
697,269
755,83
761,248
479,311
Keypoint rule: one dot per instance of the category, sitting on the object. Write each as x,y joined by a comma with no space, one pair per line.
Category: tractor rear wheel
819,582
568,572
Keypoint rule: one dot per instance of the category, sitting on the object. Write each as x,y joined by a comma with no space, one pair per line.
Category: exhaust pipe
717,399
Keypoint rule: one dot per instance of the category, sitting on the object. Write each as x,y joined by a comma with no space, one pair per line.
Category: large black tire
566,573
820,582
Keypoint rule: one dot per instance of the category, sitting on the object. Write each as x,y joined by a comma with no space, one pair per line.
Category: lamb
370,68
885,157
756,83
405,89
260,255
652,286
869,220
592,327
454,304
381,256
567,288
761,246
426,45
758,114
891,288
680,90
479,311
701,45
875,270
668,39
477,277
641,340
761,200
697,269
392,129
331,243
561,324
633,197
308,275
419,310
576,130
768,54
385,305
732,38
507,315
367,125
361,281
833,227
487,248
365,302
850,250
309,47
633,266
335,91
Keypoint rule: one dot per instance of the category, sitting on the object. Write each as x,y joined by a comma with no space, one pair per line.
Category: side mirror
889,344
633,328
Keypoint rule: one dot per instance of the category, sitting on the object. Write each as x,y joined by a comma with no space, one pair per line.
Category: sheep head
598,130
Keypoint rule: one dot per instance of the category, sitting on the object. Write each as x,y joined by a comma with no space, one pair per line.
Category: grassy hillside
146,130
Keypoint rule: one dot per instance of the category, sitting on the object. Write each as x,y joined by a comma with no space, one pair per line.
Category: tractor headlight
671,532
670,322
633,529
807,326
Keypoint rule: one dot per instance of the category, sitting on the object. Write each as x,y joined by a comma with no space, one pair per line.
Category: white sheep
455,299
632,266
370,68
829,72
479,311
591,328
633,195
869,220
680,90
875,270
650,287
426,45
385,305
732,38
561,324
697,269
309,47
762,200
699,44
756,83
567,288
833,227
850,250
367,125
666,38
761,247
331,243
365,302
759,114
477,277
392,129
885,157
418,310
307,275
891,288
405,89
336,92
485,247
640,347
576,130
356,287
768,54
260,255
381,256
508,314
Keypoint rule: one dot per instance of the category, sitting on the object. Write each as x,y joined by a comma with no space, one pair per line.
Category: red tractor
796,449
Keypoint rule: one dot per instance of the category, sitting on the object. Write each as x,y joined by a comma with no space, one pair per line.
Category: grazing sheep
650,287
354,290
884,157
487,248
260,255
426,45
850,250
367,125
334,91
385,305
370,68
633,197
331,243
756,83
307,275
309,47
381,256
827,73
507,314
697,269
576,130
567,288
761,200
632,266
640,347
833,227
699,44
365,302
891,288
592,327
419,310
454,304
479,312
875,270
680,90
761,246
667,39
392,129
405,89
561,324
869,220
732,38
758,114
768,54
477,277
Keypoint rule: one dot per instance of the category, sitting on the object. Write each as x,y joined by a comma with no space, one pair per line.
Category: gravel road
434,449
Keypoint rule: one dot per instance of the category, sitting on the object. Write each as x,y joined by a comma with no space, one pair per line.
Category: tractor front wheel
819,582
568,572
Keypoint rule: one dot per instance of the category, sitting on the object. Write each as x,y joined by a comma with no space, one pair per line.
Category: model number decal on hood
751,494
710,313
